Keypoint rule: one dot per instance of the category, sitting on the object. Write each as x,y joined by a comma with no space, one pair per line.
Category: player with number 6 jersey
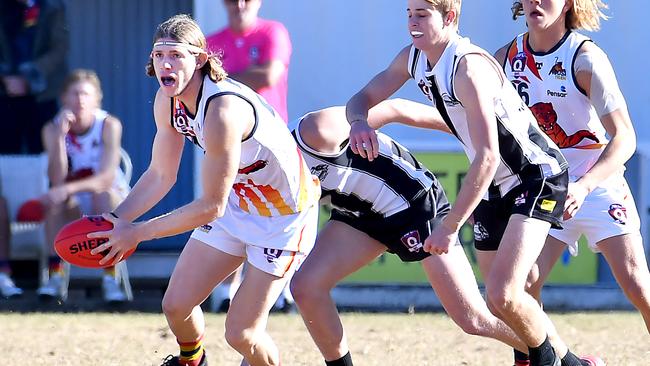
570,85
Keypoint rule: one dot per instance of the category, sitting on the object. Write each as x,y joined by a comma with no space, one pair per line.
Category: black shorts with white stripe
403,233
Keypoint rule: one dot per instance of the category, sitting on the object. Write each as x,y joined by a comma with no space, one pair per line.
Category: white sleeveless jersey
547,84
273,179
85,152
525,150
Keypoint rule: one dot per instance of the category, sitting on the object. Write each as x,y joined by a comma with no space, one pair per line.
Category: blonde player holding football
259,202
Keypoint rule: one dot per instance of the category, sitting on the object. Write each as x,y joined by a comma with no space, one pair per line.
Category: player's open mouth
416,34
167,80
535,13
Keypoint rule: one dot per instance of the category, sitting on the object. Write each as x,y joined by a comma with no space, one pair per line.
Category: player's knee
174,307
638,293
502,299
303,287
240,339
473,324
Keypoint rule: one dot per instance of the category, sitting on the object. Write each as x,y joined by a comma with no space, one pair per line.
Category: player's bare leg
452,278
520,246
339,251
248,315
203,267
625,256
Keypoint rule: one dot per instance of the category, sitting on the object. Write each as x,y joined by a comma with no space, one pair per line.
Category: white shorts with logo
608,211
277,262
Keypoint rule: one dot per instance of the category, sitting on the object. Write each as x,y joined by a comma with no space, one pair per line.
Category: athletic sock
55,265
343,361
521,359
191,352
542,354
571,359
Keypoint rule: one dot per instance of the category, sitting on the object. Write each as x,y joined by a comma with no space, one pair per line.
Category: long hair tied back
183,30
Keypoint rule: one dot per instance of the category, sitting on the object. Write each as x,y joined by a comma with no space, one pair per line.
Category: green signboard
450,168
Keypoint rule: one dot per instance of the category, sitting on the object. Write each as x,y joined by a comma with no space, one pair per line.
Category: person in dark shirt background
33,63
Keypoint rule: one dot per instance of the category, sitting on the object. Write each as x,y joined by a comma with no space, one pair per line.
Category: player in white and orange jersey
570,85
259,202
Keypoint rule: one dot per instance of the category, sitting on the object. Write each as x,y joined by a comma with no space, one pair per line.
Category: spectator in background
7,287
255,52
33,64
83,147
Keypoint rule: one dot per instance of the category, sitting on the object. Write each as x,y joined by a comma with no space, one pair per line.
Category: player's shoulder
501,54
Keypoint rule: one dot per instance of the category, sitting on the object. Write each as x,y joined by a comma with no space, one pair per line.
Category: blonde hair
445,6
182,28
83,75
583,14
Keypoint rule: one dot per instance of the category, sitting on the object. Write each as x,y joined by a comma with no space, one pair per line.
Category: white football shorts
275,261
608,211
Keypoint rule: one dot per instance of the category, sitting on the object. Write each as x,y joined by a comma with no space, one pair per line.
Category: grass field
105,339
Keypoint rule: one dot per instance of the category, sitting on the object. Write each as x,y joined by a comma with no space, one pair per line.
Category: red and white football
72,244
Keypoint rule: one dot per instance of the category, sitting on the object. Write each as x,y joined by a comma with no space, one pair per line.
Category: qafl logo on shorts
411,241
618,212
272,254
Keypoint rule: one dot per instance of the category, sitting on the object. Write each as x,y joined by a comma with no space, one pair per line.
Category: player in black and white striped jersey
390,204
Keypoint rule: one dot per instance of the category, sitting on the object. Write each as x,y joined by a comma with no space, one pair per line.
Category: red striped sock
191,352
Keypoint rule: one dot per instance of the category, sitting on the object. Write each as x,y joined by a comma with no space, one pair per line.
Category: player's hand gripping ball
74,247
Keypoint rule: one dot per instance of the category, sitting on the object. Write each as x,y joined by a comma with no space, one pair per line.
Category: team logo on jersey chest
411,241
181,121
426,90
618,212
558,70
519,62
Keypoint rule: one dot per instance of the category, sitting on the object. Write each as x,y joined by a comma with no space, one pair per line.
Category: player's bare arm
363,139
229,119
53,136
501,54
599,82
160,176
476,82
407,113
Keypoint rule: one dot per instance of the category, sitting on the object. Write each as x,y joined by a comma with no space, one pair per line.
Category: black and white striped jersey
382,187
524,148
